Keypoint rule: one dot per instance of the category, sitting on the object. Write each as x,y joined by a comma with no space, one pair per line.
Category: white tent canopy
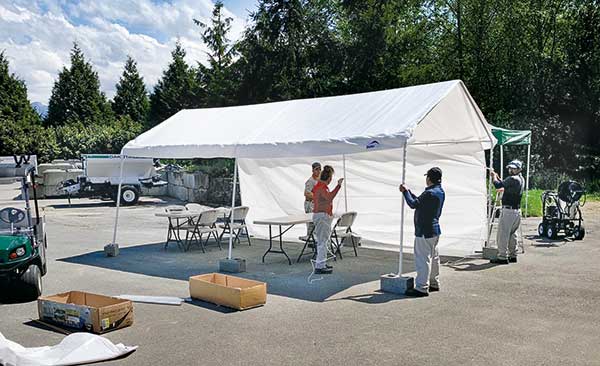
319,126
361,135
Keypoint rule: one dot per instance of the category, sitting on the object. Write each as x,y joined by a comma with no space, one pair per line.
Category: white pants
427,261
308,208
322,223
506,238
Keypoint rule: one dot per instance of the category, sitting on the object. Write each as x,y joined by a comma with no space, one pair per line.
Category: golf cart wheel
542,229
552,232
579,232
129,195
32,282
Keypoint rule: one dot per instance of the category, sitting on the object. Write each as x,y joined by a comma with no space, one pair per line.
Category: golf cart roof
16,166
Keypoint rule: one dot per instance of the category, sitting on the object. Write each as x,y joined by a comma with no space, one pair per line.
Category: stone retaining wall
200,188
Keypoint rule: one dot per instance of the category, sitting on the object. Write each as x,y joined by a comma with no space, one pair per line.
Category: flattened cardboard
86,311
234,292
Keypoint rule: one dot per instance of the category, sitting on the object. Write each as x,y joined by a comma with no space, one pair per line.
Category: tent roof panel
306,127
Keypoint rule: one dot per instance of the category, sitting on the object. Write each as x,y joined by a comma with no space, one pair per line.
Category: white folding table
284,221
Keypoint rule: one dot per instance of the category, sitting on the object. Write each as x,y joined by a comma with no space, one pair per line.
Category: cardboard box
234,292
86,311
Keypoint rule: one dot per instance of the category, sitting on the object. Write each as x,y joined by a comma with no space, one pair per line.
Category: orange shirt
323,199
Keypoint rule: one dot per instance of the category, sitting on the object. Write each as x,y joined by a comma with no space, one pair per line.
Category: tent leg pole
114,238
502,162
235,172
527,179
490,209
345,190
401,251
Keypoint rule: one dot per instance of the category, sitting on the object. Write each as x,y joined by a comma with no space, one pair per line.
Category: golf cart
22,234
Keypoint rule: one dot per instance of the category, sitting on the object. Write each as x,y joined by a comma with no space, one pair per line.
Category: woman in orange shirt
323,216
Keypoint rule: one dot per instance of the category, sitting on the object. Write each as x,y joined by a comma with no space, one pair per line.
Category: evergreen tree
290,51
177,89
218,79
131,98
76,95
20,128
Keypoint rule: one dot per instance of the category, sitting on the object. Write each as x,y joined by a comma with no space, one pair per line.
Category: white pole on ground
345,190
232,206
527,178
123,157
400,255
502,162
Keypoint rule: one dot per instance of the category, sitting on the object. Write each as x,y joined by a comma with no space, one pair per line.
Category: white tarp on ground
276,142
74,349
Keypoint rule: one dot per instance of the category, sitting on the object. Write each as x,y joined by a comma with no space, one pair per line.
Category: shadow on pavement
76,203
377,297
213,307
470,266
543,242
282,279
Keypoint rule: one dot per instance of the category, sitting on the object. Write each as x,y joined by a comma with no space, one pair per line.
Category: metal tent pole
502,162
114,240
527,179
490,209
345,190
235,172
400,255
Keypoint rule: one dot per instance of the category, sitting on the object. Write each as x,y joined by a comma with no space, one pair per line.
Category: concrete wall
200,188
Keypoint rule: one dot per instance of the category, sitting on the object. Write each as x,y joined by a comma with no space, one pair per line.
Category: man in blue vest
428,208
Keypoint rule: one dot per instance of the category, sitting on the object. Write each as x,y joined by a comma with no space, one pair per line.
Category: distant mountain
40,108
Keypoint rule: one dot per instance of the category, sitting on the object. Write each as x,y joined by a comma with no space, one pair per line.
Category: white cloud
37,37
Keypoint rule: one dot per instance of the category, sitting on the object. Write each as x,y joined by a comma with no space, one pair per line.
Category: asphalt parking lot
544,310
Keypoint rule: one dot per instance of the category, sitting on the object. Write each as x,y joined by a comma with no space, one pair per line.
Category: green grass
534,205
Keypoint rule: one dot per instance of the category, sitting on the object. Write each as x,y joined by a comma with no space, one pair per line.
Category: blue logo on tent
373,144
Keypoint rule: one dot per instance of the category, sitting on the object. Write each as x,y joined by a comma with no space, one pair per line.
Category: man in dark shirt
428,208
510,217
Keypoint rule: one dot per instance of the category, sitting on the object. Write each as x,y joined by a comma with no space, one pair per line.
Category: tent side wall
275,188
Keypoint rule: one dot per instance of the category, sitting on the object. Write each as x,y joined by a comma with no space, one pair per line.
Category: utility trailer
101,174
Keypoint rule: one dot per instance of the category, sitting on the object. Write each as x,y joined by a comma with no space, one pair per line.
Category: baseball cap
515,164
434,174
316,165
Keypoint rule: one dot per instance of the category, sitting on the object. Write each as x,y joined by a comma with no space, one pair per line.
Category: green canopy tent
514,137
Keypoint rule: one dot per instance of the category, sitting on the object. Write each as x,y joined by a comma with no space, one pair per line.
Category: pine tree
218,79
131,98
76,95
290,51
177,89
20,127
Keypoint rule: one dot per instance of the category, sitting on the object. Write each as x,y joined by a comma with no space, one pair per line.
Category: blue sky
37,36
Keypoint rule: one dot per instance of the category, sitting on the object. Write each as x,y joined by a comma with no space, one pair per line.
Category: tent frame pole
527,178
114,238
501,162
235,173
401,251
345,188
490,209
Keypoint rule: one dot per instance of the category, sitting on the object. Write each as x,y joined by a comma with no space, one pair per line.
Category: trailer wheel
542,229
32,282
579,232
129,195
552,232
